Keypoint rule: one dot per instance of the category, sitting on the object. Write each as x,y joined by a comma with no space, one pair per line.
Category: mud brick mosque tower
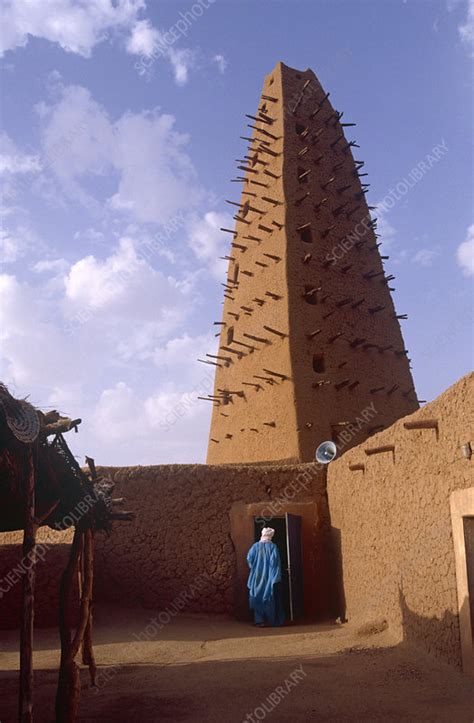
309,336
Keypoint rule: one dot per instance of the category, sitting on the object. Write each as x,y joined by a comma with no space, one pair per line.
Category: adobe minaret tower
309,336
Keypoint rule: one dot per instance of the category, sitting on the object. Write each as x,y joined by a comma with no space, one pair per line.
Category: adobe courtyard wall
179,549
52,555
391,524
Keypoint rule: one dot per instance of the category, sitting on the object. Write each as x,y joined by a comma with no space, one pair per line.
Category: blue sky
120,126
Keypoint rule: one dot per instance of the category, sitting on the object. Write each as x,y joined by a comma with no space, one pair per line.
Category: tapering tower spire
310,344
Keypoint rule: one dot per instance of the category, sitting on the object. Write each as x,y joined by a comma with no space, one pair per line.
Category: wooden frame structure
41,483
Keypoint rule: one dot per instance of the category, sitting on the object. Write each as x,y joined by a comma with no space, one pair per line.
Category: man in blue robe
265,575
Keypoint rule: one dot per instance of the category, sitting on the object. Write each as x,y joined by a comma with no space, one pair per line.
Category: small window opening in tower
306,234
230,335
270,81
318,363
311,294
245,209
299,128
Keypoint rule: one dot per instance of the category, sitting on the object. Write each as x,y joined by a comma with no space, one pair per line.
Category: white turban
267,534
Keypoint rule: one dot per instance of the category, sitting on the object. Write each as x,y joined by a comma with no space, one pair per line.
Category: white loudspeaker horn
326,452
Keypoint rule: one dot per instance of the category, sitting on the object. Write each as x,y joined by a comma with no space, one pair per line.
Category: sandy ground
209,668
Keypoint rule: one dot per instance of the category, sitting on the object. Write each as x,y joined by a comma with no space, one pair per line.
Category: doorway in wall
468,529
462,520
308,530
287,538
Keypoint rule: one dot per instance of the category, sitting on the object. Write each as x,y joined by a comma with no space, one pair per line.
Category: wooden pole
28,595
84,633
69,686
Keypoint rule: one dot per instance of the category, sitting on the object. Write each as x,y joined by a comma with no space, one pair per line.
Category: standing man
264,581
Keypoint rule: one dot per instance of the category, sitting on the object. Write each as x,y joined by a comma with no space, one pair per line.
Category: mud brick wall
309,335
181,538
53,552
392,524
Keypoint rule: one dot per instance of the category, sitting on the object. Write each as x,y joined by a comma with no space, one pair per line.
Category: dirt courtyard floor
211,668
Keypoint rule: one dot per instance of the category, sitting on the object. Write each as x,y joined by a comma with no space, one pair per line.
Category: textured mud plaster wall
394,524
52,556
179,546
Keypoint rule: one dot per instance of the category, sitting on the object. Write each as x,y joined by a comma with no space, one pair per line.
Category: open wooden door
295,565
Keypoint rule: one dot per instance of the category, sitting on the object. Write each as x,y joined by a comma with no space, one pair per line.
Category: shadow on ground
206,669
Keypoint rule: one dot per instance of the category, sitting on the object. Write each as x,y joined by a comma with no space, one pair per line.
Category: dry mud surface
212,668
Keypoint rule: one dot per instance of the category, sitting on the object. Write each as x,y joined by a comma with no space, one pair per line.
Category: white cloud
221,62
79,25
77,138
123,369
92,236
16,235
66,398
177,353
181,60
387,236
165,425
151,44
124,289
384,228
18,240
173,423
76,25
208,242
425,256
465,253
157,178
19,164
143,39
11,248
466,30
96,283
33,349
14,161
143,152
50,266
123,306
119,414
